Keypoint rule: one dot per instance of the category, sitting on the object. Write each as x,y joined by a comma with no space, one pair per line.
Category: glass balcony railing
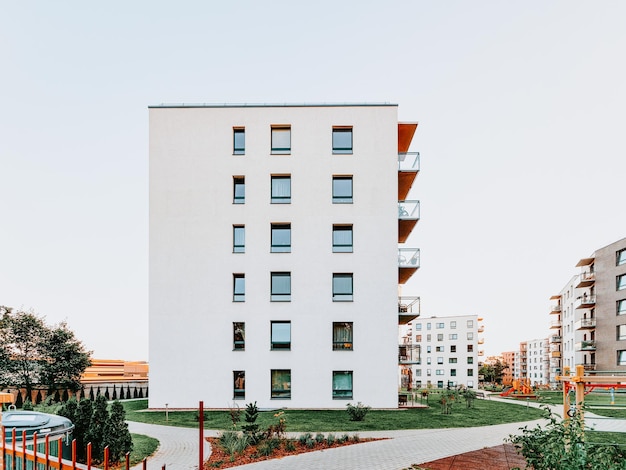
408,257
585,324
409,161
586,301
555,309
586,346
408,210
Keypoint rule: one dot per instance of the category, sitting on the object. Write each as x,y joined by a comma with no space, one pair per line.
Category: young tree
493,372
82,424
116,434
95,433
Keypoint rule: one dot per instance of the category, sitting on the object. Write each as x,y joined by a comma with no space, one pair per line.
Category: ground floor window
281,383
342,384
239,385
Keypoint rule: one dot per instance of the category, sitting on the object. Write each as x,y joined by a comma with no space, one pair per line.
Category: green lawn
483,413
143,446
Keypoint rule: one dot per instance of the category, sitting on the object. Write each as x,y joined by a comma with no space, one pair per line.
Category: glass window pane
621,282
239,385
239,287
281,287
621,307
342,336
342,287
621,358
281,140
239,336
342,189
342,238
239,190
621,257
281,189
239,141
342,384
281,238
342,140
281,383
239,239
621,332
281,335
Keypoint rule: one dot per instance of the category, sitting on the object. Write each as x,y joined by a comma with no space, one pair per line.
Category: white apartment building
537,361
274,256
447,351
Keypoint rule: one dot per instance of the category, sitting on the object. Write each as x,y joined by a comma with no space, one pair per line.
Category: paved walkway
178,448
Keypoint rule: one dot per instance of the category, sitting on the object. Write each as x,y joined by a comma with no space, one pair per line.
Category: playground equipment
583,384
521,389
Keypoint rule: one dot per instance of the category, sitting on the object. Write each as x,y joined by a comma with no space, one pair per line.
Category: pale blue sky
521,109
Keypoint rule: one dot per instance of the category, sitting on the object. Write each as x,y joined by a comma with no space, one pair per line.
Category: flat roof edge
267,105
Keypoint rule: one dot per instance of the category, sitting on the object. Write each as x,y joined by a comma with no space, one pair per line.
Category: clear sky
522,112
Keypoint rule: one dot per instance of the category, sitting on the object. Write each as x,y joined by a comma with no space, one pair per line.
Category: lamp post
166,413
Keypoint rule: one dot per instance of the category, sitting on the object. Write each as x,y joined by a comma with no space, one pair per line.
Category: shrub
290,445
310,442
357,412
28,405
356,438
278,429
330,439
561,444
305,437
251,428
233,442
267,447
319,438
469,395
343,438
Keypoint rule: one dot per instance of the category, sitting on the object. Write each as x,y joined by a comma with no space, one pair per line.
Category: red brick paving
503,457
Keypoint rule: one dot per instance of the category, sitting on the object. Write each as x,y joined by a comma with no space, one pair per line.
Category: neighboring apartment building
537,361
508,358
590,313
274,258
446,351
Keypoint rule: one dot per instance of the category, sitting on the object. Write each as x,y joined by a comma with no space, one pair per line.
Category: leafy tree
66,359
116,434
32,353
493,372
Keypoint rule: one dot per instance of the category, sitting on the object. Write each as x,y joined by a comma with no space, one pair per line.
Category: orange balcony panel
404,274
406,130
405,182
405,227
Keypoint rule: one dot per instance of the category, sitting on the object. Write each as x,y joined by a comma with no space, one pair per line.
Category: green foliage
493,373
562,445
305,437
343,438
290,445
357,412
330,439
310,442
268,446
28,405
446,400
116,434
469,395
50,406
32,353
235,415
319,437
356,438
251,428
277,430
96,433
233,442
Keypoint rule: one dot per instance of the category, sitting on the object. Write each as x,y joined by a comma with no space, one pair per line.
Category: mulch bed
220,459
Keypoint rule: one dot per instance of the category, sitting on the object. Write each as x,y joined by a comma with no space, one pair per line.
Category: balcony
555,324
586,279
408,167
408,263
555,339
555,354
586,346
409,353
481,341
555,309
481,329
481,353
585,324
408,309
408,216
586,301
591,366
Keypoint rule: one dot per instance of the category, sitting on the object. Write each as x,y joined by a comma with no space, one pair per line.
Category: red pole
106,458
145,463
47,451
201,425
74,454
35,449
127,460
13,446
89,456
24,450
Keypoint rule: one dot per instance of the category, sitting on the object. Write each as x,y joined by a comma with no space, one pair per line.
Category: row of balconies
582,324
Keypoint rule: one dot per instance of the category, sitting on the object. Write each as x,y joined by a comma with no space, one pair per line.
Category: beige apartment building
589,314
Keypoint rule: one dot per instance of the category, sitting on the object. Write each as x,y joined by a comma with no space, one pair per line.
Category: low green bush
357,412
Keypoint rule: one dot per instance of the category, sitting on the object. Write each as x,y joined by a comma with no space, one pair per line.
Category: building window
342,336
621,307
470,323
428,349
439,359
452,372
452,360
342,287
418,338
470,335
280,287
440,326
621,282
239,336
281,238
239,287
342,140
342,189
418,327
453,325
621,332
470,360
239,141
440,337
470,348
281,383
239,385
470,372
620,257
428,360
342,384
428,337
453,348
453,336
239,238
281,189
342,238
621,358
439,372
428,326
281,140
440,349
281,335
239,190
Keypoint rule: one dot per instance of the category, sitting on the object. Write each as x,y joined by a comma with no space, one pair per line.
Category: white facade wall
569,316
448,351
192,261
537,361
